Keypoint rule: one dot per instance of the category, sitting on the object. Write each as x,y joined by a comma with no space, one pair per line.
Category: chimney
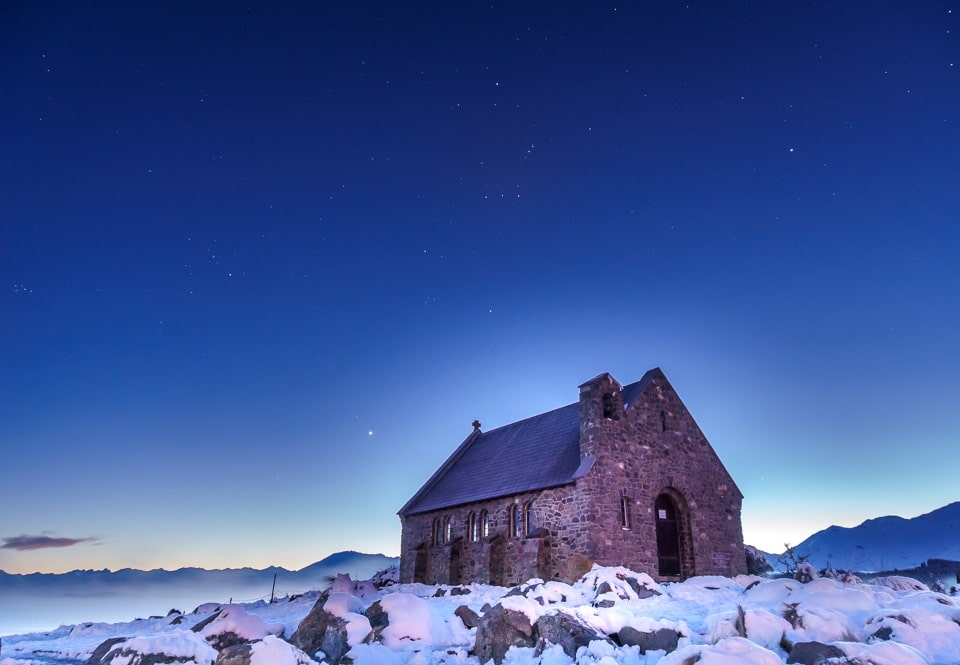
601,400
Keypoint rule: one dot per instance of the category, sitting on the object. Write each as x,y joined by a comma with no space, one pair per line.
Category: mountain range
885,543
40,601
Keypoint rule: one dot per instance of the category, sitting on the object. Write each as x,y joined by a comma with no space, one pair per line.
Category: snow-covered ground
720,621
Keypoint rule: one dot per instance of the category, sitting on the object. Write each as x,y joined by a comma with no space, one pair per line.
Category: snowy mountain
41,601
887,543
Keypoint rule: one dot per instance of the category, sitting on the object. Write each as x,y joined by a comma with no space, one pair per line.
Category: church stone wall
554,549
654,446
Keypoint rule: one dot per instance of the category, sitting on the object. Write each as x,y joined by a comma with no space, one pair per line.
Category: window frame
473,527
626,518
516,521
484,524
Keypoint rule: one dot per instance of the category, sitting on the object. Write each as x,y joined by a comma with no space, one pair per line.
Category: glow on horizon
767,529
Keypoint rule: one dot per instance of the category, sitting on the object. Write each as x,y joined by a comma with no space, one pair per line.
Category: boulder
377,617
322,631
206,608
97,656
566,631
238,654
234,625
813,653
168,649
469,618
663,639
268,651
642,590
500,629
206,622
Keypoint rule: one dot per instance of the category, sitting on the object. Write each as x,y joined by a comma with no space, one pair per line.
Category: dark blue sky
262,266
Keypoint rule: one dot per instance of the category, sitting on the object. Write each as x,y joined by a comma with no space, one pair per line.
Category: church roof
531,454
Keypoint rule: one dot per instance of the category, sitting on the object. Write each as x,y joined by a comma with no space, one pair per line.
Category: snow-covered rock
712,620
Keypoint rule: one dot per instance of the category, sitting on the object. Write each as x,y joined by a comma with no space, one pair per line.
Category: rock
640,589
813,653
883,634
663,639
342,584
322,631
500,629
377,617
566,631
238,654
234,625
469,618
206,622
603,604
102,650
226,639
741,623
206,608
439,593
268,651
459,591
151,650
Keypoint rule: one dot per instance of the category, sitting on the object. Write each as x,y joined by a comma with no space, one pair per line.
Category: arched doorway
544,563
420,564
456,553
667,518
498,561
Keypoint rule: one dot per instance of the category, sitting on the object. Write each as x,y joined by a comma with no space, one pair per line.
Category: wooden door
668,536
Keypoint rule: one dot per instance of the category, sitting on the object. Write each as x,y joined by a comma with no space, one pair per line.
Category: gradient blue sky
261,266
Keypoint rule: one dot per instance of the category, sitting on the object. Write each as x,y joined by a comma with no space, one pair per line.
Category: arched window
473,528
528,518
625,513
484,524
437,533
609,410
447,530
516,521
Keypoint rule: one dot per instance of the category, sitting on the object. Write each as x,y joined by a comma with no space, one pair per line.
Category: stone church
624,477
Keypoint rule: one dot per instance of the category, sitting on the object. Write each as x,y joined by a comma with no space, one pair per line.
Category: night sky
261,266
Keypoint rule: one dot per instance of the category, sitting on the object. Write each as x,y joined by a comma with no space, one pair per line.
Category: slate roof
531,454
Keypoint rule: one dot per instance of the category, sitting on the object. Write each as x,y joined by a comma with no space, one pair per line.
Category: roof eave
439,473
480,500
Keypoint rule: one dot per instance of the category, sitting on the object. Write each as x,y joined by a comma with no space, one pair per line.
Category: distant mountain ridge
356,564
31,601
886,543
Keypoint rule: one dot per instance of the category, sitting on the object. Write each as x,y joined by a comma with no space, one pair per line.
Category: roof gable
531,454
534,453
